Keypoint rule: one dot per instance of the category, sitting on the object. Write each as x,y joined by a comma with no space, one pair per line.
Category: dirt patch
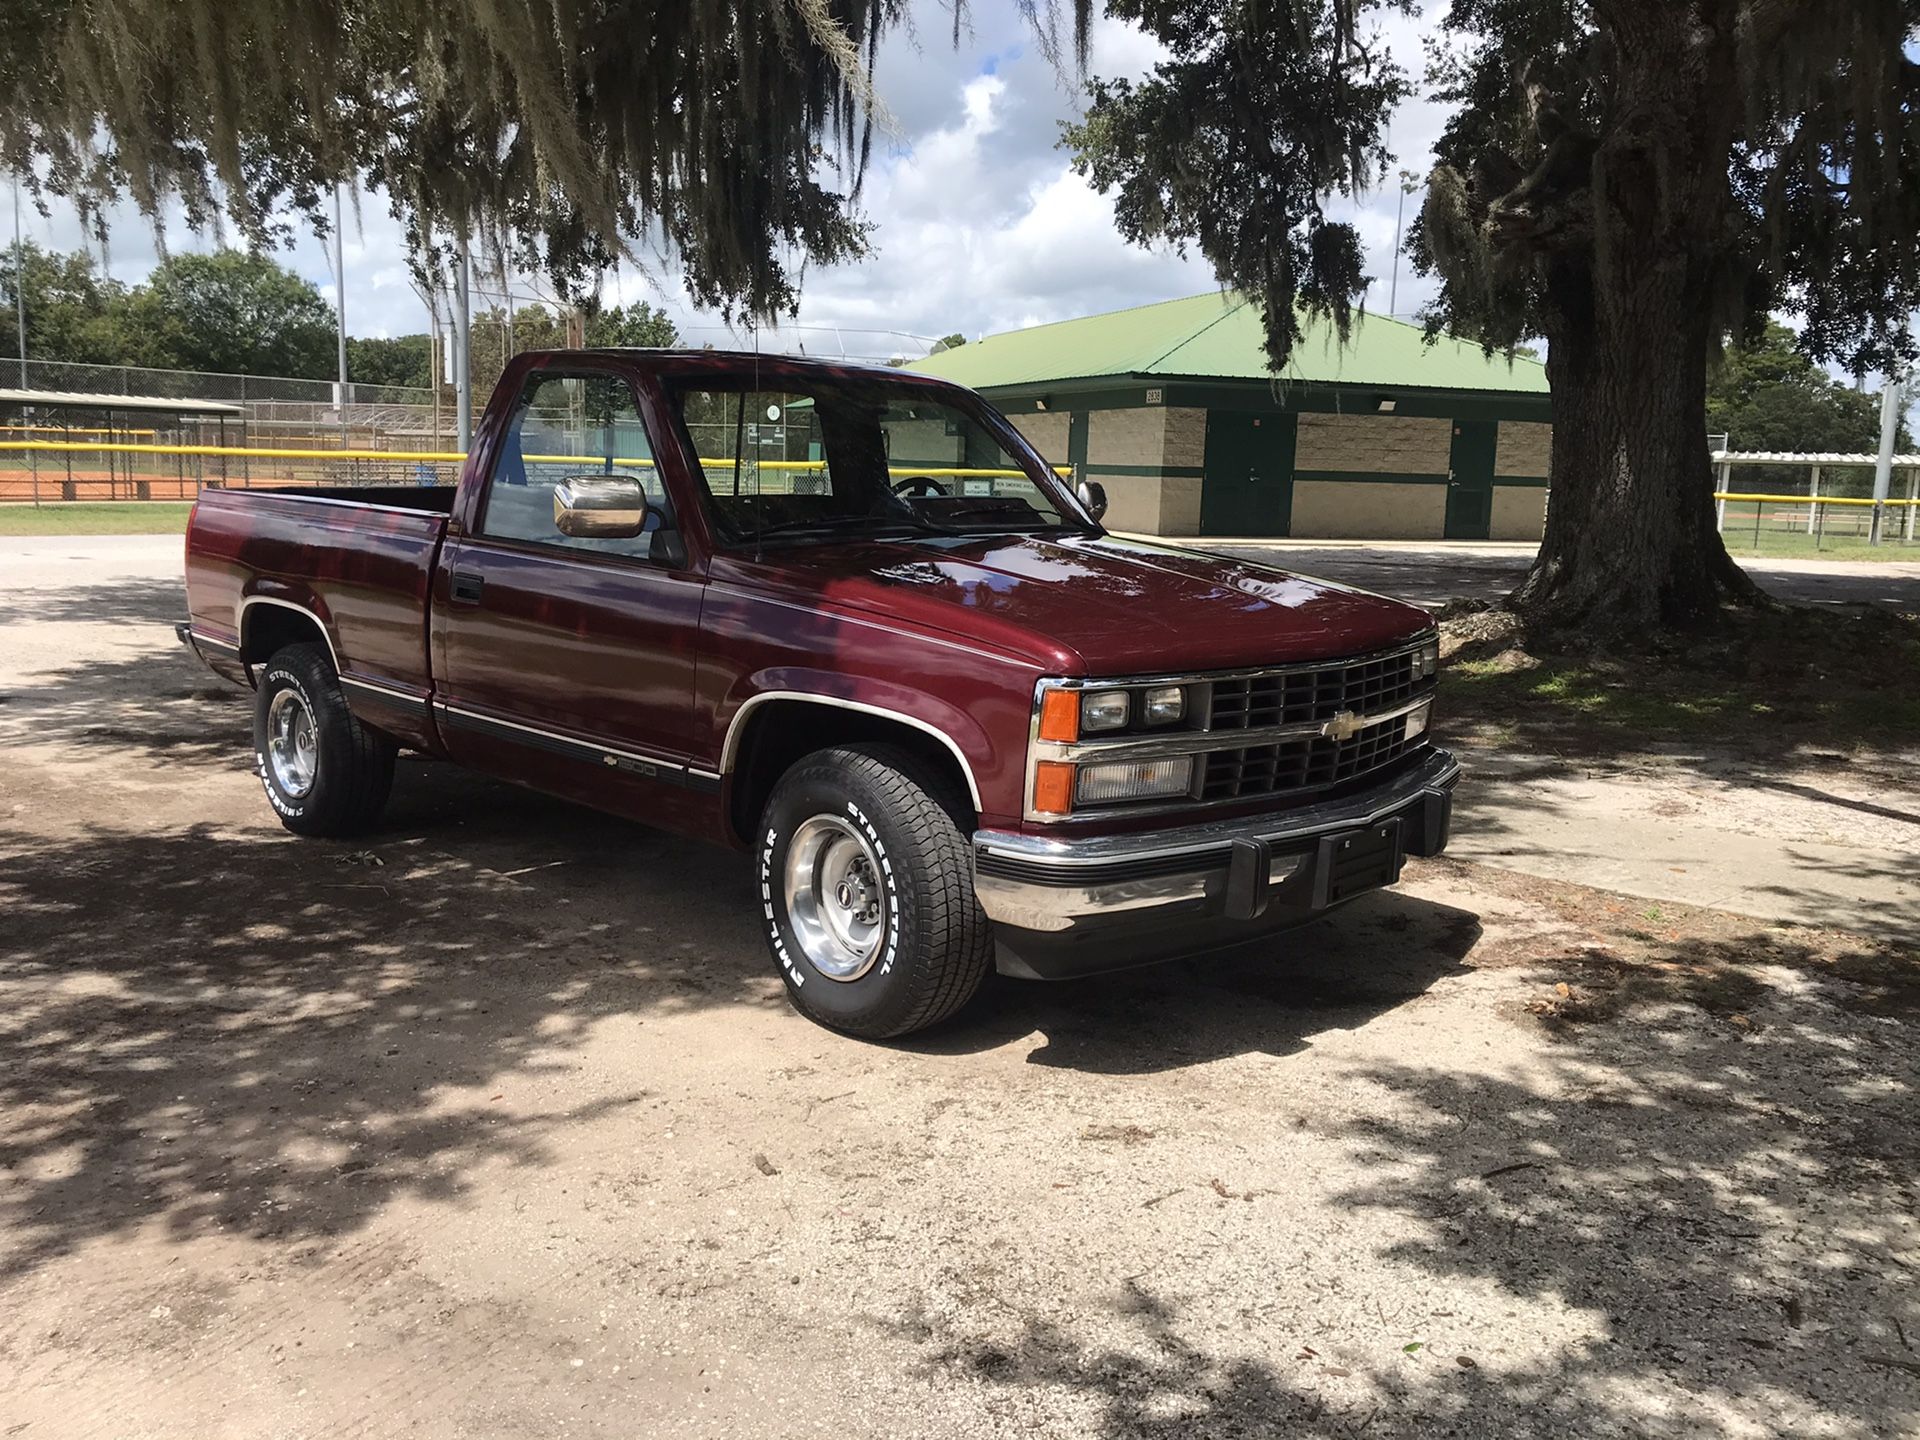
1603,956
497,1123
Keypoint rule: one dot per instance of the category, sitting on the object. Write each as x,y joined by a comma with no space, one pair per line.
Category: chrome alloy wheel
836,899
293,746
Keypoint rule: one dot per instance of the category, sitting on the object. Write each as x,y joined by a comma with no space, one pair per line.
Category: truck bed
358,559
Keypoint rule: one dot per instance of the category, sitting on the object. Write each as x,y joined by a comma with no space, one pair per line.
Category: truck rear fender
795,715
265,623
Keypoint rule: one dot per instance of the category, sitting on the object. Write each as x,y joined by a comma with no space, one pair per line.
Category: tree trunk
1631,542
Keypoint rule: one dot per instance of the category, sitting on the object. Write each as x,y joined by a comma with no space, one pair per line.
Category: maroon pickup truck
848,620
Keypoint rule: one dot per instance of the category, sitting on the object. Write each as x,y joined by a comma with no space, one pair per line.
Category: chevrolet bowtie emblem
1343,726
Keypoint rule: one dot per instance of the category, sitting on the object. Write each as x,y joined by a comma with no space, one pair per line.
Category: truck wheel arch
751,765
284,623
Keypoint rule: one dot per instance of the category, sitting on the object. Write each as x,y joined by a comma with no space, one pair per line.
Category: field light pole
1409,182
1891,400
19,281
340,309
463,365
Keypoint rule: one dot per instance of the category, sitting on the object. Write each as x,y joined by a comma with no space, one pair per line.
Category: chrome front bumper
1102,902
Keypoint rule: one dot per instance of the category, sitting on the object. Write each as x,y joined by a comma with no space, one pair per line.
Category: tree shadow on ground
1383,950
1711,1175
211,1029
236,1029
114,602
1435,576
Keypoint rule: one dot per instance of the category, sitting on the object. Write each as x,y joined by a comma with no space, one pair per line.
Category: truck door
568,662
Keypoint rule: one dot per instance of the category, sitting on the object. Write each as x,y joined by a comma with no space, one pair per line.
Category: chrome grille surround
1281,730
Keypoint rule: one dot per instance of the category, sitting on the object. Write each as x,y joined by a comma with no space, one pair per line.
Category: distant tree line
235,312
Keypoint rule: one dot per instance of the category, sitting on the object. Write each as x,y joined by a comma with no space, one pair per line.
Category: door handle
466,587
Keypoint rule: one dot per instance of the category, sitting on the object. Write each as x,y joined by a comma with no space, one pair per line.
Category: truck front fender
957,731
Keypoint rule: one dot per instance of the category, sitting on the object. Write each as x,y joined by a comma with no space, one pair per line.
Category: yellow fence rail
1742,496
130,470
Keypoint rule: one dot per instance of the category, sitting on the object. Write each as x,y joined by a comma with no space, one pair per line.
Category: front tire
325,773
866,890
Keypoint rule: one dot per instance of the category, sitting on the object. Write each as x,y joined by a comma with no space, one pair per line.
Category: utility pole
1891,403
463,361
19,281
340,309
1409,182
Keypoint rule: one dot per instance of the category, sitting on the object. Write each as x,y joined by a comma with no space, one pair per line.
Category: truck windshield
849,458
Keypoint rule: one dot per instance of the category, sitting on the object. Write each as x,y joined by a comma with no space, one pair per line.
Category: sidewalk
1812,846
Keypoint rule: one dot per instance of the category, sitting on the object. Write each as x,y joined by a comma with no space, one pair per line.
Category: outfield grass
97,517
1783,534
1792,545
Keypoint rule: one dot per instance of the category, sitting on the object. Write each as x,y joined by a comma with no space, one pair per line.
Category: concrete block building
1171,407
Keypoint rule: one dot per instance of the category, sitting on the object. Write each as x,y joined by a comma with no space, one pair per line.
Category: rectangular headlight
1426,660
1117,780
1163,705
1417,721
1103,710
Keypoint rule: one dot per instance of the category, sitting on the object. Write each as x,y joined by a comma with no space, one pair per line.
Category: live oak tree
561,133
1631,180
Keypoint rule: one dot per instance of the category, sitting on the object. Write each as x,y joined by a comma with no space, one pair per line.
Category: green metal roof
1217,336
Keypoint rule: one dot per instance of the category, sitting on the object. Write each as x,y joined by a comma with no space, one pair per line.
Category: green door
1247,484
1470,479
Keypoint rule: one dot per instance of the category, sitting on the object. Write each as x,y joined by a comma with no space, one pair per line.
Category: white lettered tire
866,893
324,772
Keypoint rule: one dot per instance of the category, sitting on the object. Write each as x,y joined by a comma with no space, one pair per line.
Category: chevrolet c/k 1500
847,620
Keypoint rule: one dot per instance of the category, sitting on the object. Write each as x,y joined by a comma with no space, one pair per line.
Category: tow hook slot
1249,868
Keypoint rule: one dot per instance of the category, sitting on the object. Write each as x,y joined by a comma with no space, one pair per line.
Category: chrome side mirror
1093,497
599,507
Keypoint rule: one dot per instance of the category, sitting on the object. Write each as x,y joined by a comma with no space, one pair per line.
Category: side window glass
566,425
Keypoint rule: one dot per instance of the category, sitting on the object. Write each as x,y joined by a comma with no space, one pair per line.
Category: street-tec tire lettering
937,944
353,772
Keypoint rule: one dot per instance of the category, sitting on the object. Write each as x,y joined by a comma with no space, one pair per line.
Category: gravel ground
498,1124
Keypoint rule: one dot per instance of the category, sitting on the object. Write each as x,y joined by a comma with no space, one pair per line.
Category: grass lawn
1792,678
1783,534
1793,545
97,517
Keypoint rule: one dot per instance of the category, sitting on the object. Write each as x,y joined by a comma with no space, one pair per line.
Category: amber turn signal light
1052,788
1060,716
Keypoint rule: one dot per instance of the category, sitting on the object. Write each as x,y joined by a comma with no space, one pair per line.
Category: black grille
1305,763
1293,697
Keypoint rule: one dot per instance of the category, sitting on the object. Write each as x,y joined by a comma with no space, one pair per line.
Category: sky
980,224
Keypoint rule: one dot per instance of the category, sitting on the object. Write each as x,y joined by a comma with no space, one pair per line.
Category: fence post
1813,501
1726,473
1913,501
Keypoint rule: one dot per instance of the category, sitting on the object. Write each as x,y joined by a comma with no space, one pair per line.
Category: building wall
1369,509
1151,460
1133,503
1046,432
1525,448
1519,512
1373,444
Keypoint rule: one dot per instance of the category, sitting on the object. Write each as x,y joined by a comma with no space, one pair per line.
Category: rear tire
866,891
325,773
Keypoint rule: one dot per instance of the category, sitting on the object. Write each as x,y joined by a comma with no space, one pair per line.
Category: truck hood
1098,606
